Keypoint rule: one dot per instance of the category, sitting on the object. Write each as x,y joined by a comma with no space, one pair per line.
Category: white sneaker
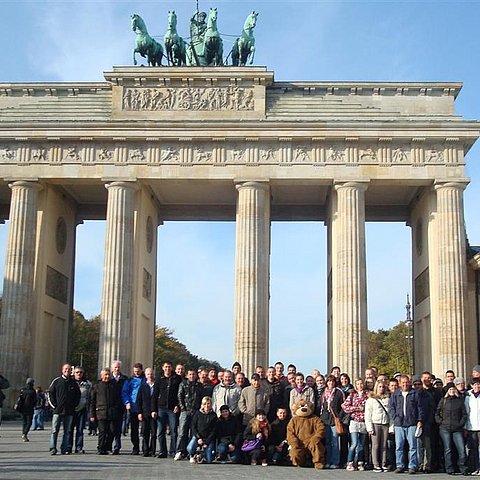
178,456
192,459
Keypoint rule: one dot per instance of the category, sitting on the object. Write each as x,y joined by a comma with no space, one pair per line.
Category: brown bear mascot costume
305,432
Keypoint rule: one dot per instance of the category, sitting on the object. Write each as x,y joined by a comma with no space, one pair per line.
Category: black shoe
147,454
399,470
53,451
162,455
135,452
102,452
116,452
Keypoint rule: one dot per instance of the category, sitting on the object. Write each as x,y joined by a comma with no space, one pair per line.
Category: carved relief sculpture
399,156
190,98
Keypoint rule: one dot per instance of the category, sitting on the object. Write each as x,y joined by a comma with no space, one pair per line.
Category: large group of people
401,424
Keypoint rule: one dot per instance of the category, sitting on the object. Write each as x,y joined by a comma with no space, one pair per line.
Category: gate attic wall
228,144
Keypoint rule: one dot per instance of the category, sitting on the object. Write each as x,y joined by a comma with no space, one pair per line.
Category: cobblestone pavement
32,461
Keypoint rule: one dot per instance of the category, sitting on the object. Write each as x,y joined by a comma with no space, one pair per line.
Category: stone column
17,323
448,321
116,315
349,290
252,275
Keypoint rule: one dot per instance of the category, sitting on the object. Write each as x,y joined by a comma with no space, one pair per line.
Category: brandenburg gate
149,145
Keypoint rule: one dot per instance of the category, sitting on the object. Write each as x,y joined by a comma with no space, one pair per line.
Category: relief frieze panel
188,99
283,152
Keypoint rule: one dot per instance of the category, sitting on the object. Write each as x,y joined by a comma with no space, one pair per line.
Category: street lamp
409,336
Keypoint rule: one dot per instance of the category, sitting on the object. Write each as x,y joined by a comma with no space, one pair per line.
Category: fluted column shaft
116,315
349,290
252,274
449,324
17,320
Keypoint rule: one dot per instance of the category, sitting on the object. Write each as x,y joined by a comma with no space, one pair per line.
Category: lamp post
409,337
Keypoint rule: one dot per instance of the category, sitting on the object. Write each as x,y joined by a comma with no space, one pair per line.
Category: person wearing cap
253,398
438,383
451,416
228,433
472,407
27,400
461,386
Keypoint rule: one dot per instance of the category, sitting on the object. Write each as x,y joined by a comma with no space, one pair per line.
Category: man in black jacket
63,397
106,408
189,399
166,408
144,410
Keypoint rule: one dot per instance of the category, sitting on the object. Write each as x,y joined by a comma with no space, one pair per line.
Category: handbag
249,445
346,419
340,428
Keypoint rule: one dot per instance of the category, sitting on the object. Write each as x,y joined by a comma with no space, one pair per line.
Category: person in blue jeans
407,414
39,410
203,432
331,406
451,416
63,397
166,408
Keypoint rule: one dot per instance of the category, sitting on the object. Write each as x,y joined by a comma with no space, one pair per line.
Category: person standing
451,416
166,409
106,408
354,405
227,393
81,410
407,414
120,379
63,397
27,400
472,406
144,410
331,407
39,410
377,424
253,398
189,399
129,397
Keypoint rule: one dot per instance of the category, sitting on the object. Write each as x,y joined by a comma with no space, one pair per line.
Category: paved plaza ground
32,461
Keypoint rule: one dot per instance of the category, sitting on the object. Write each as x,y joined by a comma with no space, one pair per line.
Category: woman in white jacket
377,423
472,405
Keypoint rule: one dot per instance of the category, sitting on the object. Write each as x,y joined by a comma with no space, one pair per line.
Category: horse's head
251,21
212,15
172,19
138,23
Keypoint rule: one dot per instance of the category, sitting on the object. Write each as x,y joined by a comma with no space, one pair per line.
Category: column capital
460,184
125,184
263,185
339,185
25,184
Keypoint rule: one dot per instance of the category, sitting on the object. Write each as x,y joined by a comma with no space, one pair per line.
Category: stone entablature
251,151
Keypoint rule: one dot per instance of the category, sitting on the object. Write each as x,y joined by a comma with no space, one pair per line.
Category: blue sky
298,40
